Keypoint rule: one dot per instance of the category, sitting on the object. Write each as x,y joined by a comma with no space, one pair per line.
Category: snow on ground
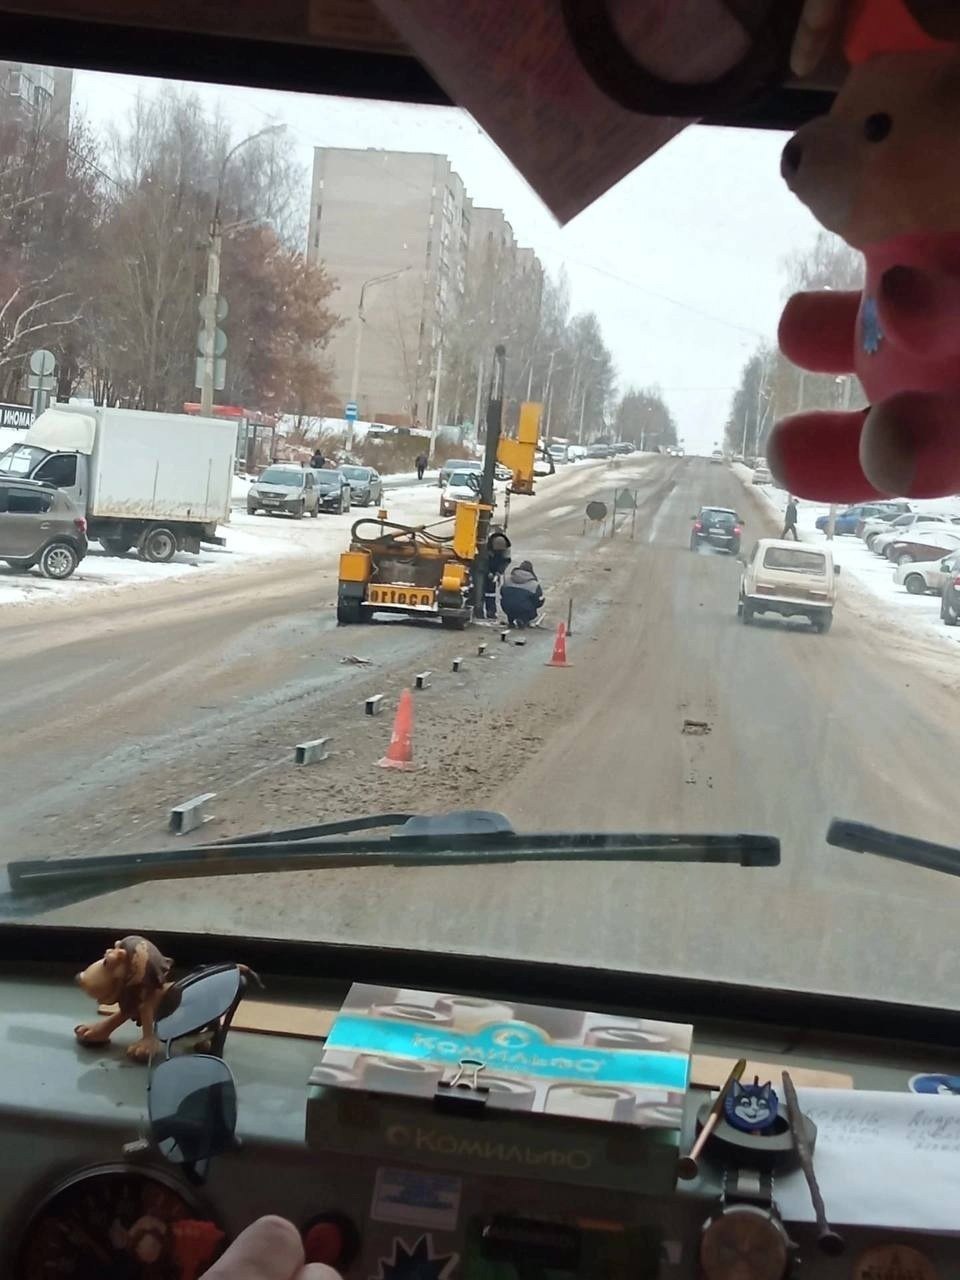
871,573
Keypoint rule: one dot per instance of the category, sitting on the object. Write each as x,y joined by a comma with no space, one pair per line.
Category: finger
319,1271
269,1249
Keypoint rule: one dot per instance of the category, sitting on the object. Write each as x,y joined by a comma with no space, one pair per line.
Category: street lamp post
358,339
212,293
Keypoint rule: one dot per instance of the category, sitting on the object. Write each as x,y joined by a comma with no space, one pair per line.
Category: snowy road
118,713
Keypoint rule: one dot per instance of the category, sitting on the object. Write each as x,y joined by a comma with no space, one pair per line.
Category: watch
744,1239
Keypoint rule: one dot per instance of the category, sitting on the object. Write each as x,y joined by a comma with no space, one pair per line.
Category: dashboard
85,1194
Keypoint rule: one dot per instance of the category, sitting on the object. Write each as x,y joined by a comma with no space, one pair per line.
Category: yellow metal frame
520,454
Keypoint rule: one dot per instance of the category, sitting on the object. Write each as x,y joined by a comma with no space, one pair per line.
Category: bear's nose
791,158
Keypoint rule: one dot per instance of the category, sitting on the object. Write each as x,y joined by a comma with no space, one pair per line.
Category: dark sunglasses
192,1098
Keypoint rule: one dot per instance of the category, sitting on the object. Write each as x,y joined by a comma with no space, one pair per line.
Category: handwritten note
882,1159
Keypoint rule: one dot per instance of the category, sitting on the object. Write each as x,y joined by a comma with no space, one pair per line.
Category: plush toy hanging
882,170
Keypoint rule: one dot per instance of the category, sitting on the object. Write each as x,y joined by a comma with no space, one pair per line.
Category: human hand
269,1249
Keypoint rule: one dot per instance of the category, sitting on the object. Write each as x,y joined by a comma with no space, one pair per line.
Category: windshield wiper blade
861,838
445,840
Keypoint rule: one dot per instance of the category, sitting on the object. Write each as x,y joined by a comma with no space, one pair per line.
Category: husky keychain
751,1108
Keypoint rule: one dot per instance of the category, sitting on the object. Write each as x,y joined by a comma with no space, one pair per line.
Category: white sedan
928,575
462,486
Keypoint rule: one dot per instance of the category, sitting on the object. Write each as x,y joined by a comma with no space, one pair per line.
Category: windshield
787,558
21,460
283,475
371,258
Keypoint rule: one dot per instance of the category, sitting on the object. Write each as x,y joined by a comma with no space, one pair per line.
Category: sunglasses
192,1097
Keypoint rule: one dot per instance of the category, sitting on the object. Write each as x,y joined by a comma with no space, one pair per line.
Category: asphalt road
129,710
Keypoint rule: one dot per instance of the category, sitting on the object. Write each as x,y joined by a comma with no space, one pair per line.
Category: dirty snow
860,568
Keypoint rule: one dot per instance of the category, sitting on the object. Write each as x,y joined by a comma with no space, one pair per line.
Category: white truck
160,482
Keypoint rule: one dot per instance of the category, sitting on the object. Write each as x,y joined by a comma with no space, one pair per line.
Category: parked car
366,485
462,486
717,455
878,539
848,519
40,526
333,490
285,488
761,475
457,464
920,546
559,454
791,579
929,576
716,527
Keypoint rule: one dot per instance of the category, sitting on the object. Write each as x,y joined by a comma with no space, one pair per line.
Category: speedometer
115,1222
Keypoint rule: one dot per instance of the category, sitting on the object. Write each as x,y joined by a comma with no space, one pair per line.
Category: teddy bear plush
882,170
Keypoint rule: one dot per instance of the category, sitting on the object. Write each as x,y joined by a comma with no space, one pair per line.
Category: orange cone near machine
400,751
559,658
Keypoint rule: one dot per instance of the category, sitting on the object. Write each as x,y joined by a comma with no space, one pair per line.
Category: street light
355,375
212,294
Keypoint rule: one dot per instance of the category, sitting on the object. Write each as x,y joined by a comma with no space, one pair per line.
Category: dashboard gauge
116,1222
744,1243
893,1262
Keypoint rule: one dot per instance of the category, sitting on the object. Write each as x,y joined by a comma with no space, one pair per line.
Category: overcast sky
681,261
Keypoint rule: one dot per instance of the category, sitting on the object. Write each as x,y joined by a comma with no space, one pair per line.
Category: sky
682,261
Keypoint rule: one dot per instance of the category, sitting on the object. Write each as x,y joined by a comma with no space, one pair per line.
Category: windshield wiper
468,837
861,838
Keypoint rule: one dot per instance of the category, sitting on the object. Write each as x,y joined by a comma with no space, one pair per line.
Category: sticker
893,1262
929,1083
416,1199
871,332
416,1262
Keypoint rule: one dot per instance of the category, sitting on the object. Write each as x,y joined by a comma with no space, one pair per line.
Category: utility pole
436,407
494,426
844,398
583,405
358,340
212,294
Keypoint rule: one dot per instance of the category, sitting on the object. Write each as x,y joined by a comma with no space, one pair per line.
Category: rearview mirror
836,570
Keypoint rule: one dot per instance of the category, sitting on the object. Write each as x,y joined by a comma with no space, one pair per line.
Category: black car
333,490
716,527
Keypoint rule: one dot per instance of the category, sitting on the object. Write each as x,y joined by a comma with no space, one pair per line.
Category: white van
789,578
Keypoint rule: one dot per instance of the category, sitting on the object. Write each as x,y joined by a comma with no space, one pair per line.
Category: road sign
350,411
219,373
204,308
42,362
36,382
625,500
15,415
219,341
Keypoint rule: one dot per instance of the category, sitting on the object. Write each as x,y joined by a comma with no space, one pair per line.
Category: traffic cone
400,751
559,658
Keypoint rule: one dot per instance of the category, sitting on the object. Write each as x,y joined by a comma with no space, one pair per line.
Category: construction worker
498,558
521,595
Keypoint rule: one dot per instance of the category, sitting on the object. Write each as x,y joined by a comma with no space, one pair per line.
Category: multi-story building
33,91
393,228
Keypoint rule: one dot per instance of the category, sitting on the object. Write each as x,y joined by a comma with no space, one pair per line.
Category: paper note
881,1159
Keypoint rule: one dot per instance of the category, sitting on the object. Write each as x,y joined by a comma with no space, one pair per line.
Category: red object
559,658
884,26
737,529
323,1242
697,526
400,751
80,522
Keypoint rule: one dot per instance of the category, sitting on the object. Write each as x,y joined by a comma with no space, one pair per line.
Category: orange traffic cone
400,751
559,658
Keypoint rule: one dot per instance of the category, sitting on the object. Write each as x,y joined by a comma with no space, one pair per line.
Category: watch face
744,1243
893,1262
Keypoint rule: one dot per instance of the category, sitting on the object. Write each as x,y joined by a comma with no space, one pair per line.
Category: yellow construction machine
397,568
520,453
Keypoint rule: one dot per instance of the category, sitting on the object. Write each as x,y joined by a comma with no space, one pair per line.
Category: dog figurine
133,975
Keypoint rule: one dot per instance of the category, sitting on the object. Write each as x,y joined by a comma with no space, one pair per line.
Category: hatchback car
718,527
366,485
846,521
927,576
333,490
790,579
761,475
40,526
457,464
462,486
286,489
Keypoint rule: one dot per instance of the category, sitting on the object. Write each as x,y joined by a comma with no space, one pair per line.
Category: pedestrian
318,460
790,520
421,463
521,596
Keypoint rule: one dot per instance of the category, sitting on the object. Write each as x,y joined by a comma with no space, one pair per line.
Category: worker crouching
521,596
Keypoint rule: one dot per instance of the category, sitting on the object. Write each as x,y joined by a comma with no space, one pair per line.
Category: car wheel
905,558
316,510
823,623
298,512
694,544
746,613
58,560
948,615
158,545
915,584
251,511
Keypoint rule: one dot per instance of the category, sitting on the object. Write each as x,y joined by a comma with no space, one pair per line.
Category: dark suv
39,525
716,527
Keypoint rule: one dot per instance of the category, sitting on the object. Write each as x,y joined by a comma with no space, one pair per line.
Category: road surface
113,714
